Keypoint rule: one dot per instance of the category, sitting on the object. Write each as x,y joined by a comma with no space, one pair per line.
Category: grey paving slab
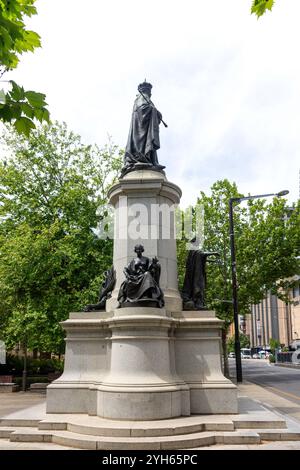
26,402
263,407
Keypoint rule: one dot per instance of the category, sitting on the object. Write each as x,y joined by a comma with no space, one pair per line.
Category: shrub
31,380
271,358
14,365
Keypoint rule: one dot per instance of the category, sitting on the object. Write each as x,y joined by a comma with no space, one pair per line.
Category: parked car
231,355
245,353
256,356
263,354
295,345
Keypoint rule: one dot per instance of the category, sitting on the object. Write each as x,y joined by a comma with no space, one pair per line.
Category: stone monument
143,357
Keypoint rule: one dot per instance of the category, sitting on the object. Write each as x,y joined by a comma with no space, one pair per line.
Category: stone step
189,441
38,387
156,443
78,441
30,435
259,423
146,431
238,437
19,422
95,426
6,432
285,435
52,425
82,441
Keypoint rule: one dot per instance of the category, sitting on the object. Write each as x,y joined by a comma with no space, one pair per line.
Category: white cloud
227,83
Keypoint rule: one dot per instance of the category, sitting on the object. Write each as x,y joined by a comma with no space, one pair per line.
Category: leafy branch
20,107
17,106
259,7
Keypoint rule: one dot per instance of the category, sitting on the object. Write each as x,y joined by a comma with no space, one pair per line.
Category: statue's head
139,249
145,87
194,244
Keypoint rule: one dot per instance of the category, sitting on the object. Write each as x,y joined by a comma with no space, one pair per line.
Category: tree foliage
18,106
259,7
267,235
267,251
51,262
244,342
274,344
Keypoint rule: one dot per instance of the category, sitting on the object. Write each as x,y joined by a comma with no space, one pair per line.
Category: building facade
273,318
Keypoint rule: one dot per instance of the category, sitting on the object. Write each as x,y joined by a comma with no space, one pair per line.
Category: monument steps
89,442
82,441
155,429
94,433
147,430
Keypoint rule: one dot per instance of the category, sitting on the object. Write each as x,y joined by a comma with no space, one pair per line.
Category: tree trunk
24,375
45,355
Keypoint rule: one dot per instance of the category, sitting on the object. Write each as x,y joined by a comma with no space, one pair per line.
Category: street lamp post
237,344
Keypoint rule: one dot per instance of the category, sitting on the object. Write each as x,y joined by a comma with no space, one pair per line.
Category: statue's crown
144,87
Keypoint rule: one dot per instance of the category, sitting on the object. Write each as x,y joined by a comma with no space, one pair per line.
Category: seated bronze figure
141,286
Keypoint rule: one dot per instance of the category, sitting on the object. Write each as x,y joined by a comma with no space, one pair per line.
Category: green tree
259,7
274,344
51,261
18,106
244,341
216,236
267,250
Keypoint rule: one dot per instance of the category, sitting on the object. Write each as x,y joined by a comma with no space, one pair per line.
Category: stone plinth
142,363
148,196
141,384
87,360
198,363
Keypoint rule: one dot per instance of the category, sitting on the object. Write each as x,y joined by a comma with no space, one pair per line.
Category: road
282,381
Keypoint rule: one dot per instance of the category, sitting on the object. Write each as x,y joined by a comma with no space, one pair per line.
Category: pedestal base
198,362
209,400
141,363
71,398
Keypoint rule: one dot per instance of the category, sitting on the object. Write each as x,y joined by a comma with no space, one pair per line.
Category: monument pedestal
140,384
87,361
143,363
198,352
147,196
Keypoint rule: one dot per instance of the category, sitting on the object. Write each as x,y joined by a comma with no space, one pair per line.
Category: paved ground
277,388
269,446
12,402
282,381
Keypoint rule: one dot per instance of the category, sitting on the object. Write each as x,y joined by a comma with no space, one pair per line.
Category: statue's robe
143,139
140,283
195,278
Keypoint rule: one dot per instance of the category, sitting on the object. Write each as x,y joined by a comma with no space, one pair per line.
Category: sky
227,84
